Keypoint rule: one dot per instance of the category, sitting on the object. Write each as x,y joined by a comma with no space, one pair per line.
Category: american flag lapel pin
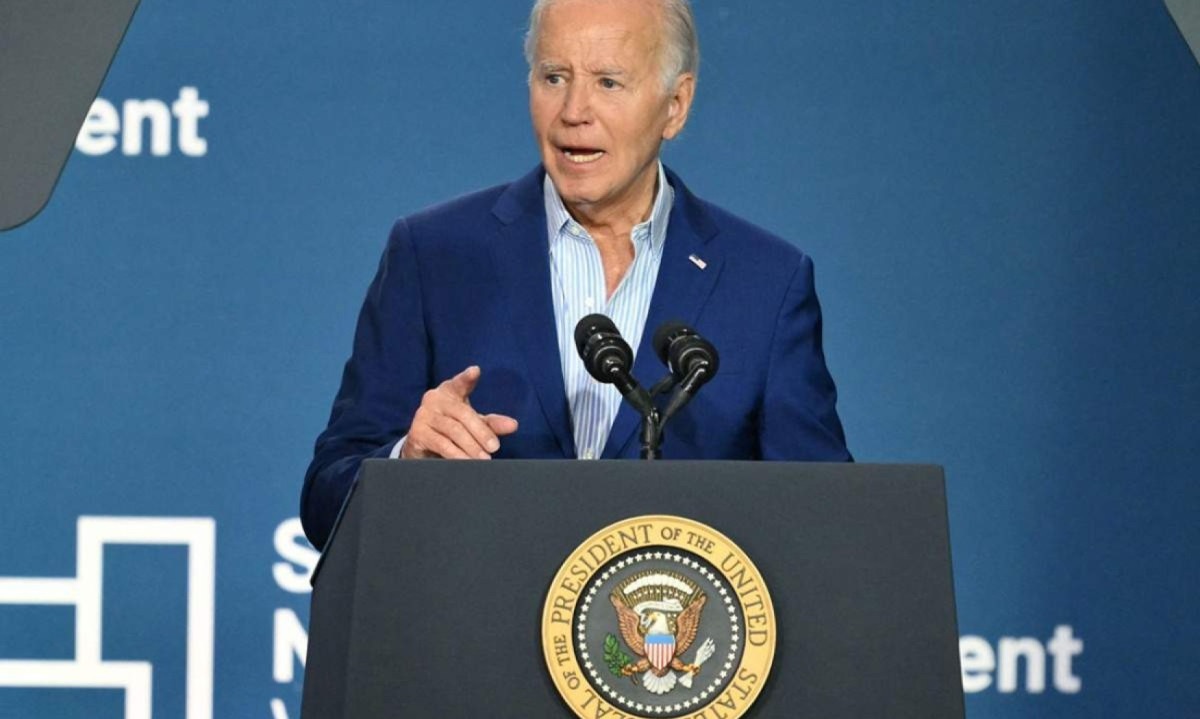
697,261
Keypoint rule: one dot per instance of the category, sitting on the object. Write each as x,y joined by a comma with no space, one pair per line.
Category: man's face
600,110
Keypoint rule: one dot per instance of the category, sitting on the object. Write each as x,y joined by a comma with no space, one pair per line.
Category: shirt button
588,454
590,302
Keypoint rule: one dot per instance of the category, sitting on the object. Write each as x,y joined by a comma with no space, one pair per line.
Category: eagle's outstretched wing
628,620
687,624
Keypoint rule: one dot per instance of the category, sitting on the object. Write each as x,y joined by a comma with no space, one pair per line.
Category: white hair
682,51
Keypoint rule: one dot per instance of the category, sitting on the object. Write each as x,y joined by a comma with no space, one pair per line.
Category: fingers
468,430
446,426
463,442
462,384
425,445
500,424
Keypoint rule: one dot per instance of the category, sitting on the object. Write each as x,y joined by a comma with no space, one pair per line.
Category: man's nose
577,107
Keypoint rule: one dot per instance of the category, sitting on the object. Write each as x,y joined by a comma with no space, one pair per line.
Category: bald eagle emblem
658,613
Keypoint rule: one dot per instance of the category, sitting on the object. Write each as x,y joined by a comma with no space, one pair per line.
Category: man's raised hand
446,425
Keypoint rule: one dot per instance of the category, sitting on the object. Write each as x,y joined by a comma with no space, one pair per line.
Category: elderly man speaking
464,347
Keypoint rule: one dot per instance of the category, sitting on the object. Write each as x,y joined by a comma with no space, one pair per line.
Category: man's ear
679,105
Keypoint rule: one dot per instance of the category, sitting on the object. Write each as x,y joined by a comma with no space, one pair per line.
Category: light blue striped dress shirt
577,283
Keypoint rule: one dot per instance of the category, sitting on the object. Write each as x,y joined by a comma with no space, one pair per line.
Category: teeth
583,159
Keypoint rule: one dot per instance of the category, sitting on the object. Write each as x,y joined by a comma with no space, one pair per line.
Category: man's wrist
398,448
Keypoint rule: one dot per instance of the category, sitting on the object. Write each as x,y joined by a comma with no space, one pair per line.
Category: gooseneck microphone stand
691,359
655,422
652,433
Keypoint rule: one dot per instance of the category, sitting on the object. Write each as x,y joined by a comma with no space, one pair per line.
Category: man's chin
575,193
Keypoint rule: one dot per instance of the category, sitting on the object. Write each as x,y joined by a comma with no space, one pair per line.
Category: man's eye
554,79
609,84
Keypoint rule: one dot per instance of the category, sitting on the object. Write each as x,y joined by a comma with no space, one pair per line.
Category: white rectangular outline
85,592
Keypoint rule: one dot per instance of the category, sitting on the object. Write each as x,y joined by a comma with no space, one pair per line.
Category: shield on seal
660,650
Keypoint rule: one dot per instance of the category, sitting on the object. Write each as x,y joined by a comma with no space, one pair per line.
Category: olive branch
614,657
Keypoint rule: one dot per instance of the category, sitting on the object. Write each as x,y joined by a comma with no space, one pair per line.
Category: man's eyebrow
550,67
606,70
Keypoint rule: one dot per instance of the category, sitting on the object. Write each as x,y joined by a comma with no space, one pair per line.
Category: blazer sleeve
799,419
382,386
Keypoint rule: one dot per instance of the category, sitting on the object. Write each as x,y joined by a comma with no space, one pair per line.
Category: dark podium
428,600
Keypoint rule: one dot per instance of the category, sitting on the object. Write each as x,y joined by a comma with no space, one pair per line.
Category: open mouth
582,155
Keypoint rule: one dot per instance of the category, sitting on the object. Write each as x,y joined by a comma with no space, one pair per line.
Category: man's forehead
594,38
607,48
612,20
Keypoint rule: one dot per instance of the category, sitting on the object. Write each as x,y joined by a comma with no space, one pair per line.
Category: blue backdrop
1002,200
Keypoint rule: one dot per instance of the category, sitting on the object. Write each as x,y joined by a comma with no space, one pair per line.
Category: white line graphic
85,592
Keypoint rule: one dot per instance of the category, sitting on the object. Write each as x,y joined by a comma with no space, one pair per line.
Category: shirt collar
560,222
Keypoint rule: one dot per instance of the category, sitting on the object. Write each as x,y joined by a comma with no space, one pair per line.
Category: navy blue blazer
468,282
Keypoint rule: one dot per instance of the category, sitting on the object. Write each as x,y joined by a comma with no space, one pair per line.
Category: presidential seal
658,616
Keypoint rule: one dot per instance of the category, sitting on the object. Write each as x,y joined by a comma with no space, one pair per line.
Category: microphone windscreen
589,326
688,353
666,333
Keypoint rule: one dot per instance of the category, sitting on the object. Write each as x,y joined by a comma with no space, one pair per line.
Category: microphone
609,360
692,360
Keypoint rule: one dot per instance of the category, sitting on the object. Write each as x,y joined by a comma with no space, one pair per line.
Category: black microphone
608,359
692,360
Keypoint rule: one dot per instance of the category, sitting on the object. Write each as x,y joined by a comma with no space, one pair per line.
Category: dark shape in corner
54,55
1187,16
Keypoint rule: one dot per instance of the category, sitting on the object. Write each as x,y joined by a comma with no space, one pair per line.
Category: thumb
463,384
500,424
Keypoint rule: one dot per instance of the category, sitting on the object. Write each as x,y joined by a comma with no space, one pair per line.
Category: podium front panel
428,602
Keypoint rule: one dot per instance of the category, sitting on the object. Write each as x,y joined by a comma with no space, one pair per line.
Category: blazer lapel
680,292
522,263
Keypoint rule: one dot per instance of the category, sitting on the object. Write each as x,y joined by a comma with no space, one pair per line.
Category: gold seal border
646,532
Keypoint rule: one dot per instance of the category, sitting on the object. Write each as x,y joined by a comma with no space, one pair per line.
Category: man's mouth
582,155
